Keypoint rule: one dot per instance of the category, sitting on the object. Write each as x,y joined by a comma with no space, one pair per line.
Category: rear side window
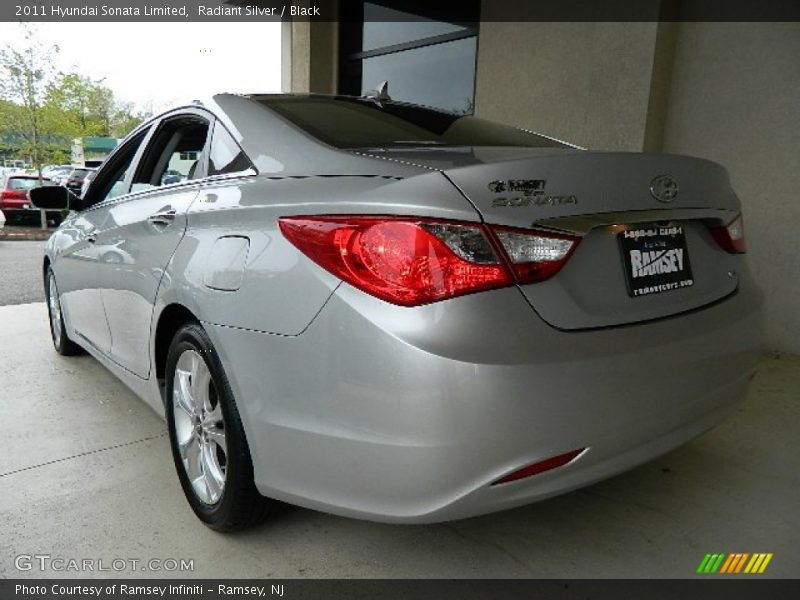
225,155
174,153
21,183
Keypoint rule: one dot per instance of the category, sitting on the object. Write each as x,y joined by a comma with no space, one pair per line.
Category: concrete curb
24,234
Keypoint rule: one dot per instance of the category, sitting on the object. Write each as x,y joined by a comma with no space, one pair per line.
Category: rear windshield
22,183
358,123
79,173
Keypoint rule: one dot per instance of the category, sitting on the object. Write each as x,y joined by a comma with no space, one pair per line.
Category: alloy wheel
199,427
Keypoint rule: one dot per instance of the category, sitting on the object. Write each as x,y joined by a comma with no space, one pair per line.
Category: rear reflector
731,236
541,466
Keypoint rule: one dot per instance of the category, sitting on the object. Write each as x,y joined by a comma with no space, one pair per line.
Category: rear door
646,248
145,229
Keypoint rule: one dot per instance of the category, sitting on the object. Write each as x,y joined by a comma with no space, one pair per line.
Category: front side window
110,180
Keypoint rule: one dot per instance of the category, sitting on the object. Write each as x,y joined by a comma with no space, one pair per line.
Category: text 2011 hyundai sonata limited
384,311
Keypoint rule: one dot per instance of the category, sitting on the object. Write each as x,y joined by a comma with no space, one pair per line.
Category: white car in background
2,220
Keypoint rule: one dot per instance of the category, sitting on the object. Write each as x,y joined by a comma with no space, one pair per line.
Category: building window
425,58
188,155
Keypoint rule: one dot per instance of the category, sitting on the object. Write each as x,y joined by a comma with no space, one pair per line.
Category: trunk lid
600,196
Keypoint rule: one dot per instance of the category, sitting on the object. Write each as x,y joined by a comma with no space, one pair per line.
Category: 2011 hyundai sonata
384,311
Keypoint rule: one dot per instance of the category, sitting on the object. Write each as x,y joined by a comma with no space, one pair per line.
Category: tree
125,120
42,111
91,107
25,73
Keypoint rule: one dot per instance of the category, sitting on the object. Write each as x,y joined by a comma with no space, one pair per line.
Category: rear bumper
409,415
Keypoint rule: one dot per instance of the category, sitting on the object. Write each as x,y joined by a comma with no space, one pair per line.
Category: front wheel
58,331
208,443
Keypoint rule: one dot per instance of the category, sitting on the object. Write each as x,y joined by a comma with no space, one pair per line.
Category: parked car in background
58,174
76,179
86,181
14,198
171,176
389,312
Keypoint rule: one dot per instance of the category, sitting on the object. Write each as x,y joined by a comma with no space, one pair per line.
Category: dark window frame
351,39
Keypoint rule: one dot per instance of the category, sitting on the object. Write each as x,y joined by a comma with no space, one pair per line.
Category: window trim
152,126
350,65
147,132
202,158
413,45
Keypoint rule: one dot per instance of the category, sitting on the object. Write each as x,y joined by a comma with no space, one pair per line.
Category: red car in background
14,198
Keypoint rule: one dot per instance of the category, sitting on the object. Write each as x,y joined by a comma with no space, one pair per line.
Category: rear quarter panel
281,290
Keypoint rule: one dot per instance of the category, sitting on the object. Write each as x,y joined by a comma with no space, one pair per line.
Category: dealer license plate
656,259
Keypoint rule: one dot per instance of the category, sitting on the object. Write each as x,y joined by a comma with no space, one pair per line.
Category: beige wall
587,83
735,98
309,56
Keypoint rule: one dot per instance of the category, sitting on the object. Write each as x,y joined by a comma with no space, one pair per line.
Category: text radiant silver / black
328,305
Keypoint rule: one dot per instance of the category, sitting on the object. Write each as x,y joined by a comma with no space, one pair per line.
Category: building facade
724,91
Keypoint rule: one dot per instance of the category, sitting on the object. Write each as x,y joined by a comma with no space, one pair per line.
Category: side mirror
53,197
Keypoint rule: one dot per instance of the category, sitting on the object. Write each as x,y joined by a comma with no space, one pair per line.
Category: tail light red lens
731,236
413,261
13,195
406,262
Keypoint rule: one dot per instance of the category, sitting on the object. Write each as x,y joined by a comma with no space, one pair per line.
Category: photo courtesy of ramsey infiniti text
388,312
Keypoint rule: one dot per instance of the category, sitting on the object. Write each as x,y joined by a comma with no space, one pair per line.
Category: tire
58,332
208,443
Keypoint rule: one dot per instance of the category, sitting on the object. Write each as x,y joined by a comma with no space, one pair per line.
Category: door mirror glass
53,198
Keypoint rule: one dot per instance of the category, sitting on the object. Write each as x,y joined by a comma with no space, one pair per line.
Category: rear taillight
535,255
731,236
410,261
407,262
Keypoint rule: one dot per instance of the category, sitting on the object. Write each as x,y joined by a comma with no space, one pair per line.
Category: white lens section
525,248
736,228
466,242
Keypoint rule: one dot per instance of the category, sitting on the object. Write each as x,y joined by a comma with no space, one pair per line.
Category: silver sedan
388,312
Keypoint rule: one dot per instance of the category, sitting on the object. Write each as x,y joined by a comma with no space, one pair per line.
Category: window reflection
441,76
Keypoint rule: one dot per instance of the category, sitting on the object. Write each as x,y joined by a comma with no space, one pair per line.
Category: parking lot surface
86,473
21,272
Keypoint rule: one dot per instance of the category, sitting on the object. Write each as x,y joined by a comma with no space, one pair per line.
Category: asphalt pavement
21,272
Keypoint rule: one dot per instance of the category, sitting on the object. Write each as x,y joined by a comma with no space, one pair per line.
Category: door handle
91,238
163,218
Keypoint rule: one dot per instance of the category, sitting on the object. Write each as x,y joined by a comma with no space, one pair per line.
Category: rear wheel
58,332
209,447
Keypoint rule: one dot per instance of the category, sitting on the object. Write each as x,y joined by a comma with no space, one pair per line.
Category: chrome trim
583,224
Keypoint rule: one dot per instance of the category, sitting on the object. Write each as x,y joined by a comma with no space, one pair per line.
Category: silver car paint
362,408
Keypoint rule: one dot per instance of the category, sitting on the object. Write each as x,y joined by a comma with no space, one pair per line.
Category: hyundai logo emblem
664,188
